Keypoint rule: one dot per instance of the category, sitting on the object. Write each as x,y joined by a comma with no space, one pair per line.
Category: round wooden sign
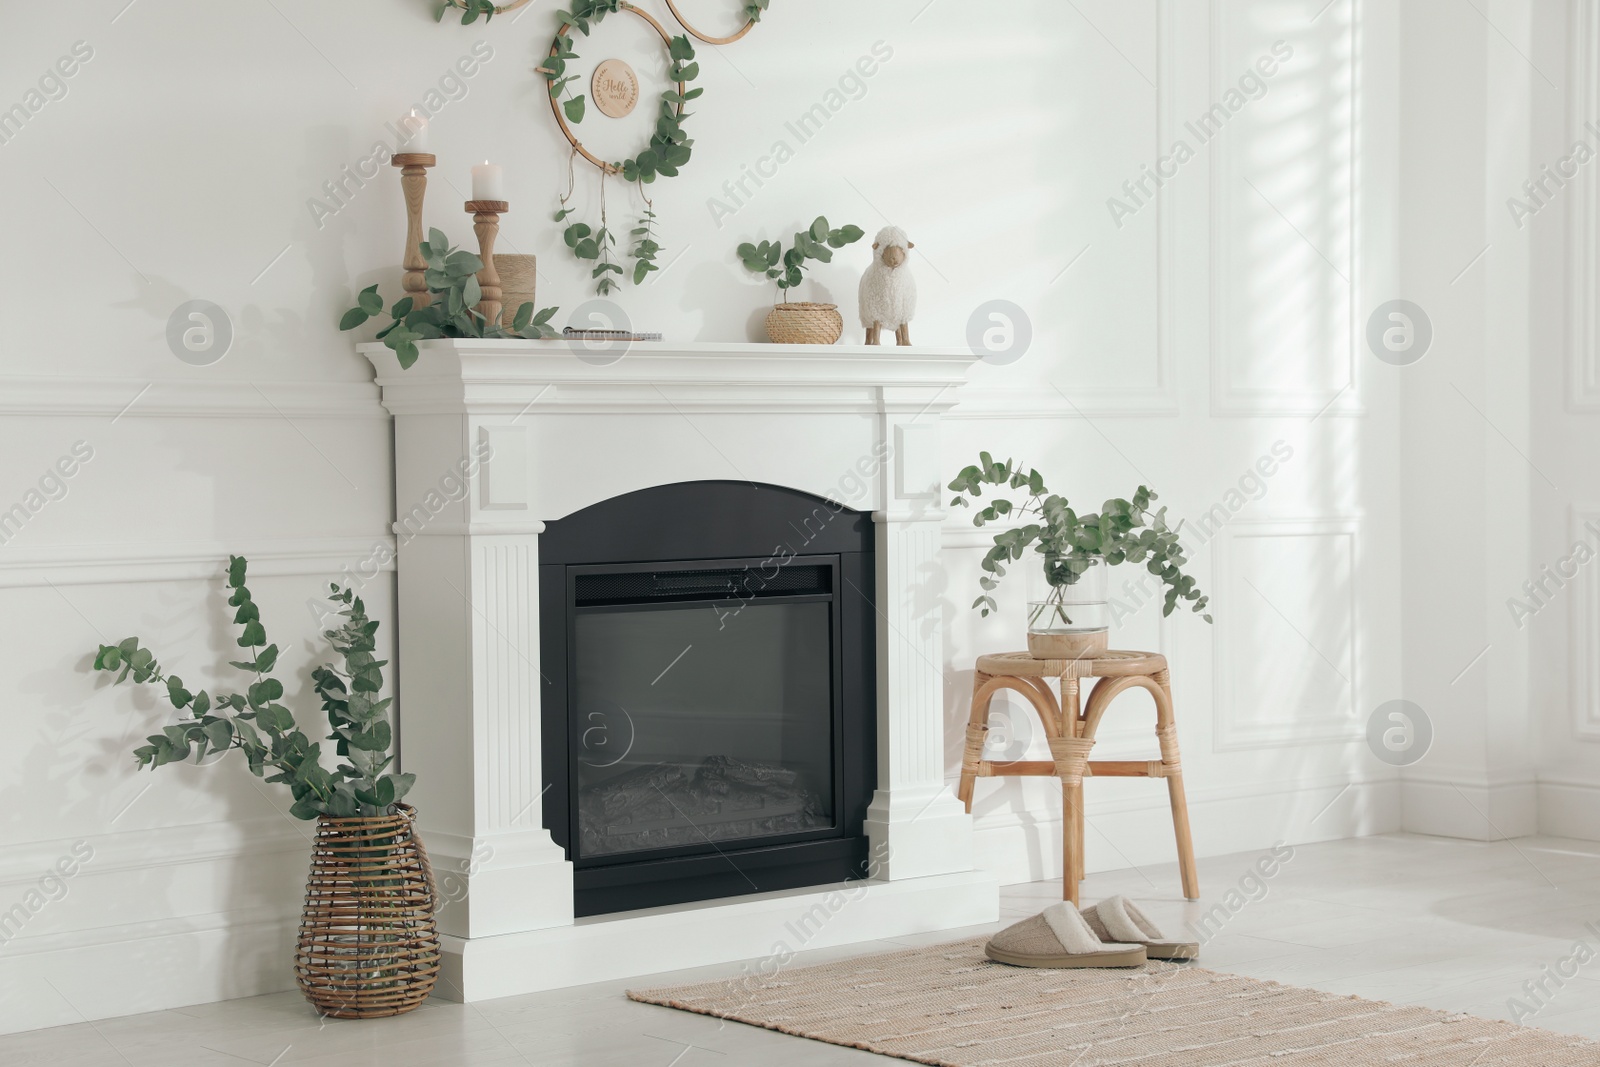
615,88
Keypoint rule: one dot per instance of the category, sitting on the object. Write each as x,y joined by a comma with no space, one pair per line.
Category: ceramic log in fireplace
708,705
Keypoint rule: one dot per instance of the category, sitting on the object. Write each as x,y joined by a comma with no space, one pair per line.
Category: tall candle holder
486,224
414,184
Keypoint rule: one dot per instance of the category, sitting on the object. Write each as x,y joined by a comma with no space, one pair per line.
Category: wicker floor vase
368,947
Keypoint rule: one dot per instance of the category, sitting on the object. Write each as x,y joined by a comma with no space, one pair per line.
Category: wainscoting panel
1583,204
1286,652
1284,247
1102,318
1583,649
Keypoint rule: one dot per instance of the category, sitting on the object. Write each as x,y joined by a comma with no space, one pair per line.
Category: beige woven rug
951,1006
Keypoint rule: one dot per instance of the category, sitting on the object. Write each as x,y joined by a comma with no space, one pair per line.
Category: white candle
488,181
415,127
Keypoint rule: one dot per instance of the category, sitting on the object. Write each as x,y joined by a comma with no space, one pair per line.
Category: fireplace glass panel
698,725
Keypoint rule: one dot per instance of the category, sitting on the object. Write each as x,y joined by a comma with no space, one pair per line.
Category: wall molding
164,846
26,567
231,923
1569,808
115,398
1228,399
1030,402
960,535
1583,632
1155,400
1157,799
1233,735
148,966
1469,806
1583,243
1025,845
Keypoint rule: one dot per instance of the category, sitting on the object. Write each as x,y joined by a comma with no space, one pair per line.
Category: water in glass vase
1068,618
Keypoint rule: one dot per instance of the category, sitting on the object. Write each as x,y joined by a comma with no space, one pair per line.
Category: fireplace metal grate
728,583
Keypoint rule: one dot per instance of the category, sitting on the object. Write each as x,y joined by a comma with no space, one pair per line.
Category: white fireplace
539,430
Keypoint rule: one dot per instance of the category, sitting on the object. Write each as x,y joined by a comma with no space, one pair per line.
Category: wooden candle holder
414,184
486,224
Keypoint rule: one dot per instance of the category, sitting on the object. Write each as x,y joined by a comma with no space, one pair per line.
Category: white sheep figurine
888,294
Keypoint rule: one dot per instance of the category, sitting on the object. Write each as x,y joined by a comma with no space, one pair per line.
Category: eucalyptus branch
646,248
264,729
470,10
452,278
1123,531
787,268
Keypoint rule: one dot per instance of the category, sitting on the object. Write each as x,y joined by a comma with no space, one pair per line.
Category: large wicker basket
367,945
804,323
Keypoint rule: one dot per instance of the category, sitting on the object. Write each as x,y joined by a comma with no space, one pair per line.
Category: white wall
1176,349
1564,401
1214,324
1499,435
1466,101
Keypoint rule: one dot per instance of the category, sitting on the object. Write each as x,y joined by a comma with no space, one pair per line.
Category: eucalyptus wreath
668,150
669,147
752,9
471,10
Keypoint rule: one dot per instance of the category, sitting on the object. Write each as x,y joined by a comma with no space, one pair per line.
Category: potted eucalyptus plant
368,945
1068,608
800,322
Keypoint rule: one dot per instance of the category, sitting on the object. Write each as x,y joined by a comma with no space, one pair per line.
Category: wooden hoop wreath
555,104
708,40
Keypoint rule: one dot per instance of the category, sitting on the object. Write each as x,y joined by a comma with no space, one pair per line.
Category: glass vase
1069,612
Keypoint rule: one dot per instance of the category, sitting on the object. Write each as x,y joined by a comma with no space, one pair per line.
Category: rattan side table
1070,724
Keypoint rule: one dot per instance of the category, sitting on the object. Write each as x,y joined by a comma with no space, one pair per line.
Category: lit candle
488,181
416,129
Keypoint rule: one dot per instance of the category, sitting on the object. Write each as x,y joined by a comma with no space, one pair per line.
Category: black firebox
709,695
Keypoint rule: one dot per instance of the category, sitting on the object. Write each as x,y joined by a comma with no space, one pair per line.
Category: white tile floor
1449,924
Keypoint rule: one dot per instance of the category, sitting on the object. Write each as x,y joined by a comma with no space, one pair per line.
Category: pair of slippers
1112,933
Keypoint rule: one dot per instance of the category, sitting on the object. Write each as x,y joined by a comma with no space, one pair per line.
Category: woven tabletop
1106,663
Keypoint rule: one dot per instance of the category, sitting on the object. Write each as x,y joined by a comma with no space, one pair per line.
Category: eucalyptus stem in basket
264,730
787,268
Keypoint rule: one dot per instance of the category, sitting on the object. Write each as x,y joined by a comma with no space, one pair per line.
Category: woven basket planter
367,945
804,323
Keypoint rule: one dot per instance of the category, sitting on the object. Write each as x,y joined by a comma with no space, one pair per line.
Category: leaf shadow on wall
86,770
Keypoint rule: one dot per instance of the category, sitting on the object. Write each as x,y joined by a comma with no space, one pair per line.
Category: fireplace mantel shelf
492,376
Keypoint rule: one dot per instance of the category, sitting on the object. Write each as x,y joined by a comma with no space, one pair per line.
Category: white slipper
1115,918
1059,937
